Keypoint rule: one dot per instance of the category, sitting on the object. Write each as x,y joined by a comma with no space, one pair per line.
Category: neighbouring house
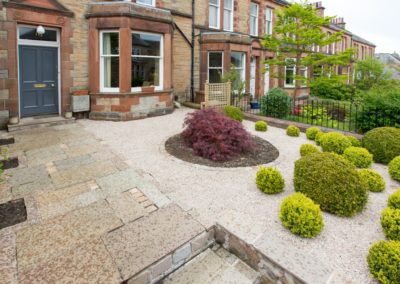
134,57
392,63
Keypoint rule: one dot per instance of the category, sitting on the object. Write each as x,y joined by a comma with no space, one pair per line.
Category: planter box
80,103
10,163
254,105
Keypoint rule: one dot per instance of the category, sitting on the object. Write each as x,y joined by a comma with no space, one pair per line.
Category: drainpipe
192,55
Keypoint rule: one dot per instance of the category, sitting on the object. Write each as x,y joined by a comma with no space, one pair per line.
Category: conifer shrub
307,149
270,180
234,113
261,126
390,221
373,180
360,157
318,137
383,261
383,143
394,168
293,131
332,182
312,132
394,200
301,216
334,142
354,141
214,136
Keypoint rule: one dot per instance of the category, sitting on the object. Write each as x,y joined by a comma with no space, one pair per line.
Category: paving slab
118,182
137,245
44,155
88,263
8,262
126,207
73,162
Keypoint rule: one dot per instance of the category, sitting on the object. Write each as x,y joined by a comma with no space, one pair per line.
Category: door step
38,122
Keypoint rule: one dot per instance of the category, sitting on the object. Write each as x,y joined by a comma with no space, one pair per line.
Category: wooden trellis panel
217,95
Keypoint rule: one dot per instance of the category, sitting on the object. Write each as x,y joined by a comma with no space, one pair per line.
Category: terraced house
134,57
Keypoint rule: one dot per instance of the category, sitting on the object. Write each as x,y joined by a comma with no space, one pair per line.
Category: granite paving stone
88,263
27,175
126,207
73,162
8,262
145,241
45,155
118,182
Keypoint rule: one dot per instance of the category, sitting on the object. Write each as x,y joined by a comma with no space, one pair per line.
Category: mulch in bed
12,212
265,153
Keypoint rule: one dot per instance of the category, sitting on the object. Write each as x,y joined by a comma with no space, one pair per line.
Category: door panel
38,80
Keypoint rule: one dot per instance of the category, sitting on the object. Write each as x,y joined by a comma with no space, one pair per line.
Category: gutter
192,55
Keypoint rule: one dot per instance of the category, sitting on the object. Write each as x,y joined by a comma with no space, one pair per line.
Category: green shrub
390,221
261,126
301,216
394,168
332,182
360,157
373,180
394,200
334,142
234,112
293,131
330,88
277,103
354,141
312,132
383,143
307,149
383,261
318,137
270,180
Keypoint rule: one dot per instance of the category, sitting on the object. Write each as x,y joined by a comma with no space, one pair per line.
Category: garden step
214,267
39,122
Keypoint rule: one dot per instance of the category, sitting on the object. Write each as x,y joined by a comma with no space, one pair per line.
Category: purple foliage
214,136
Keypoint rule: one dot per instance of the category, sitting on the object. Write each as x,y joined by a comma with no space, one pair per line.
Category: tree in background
296,39
370,73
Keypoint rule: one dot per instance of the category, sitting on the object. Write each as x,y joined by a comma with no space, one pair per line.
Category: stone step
38,122
216,266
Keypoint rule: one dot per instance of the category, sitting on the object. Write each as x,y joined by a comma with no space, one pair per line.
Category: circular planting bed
265,153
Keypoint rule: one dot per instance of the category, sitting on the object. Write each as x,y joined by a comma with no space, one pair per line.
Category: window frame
215,68
231,17
160,87
305,69
218,14
104,89
153,3
252,16
270,21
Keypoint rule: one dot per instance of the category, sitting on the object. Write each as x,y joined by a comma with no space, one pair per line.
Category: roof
361,40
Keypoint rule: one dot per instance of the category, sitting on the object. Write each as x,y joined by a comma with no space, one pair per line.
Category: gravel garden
331,196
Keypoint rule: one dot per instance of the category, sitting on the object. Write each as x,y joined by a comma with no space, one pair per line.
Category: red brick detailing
121,108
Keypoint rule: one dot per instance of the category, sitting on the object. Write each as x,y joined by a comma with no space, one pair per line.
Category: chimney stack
339,22
320,9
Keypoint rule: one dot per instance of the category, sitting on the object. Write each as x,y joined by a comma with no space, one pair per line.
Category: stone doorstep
32,123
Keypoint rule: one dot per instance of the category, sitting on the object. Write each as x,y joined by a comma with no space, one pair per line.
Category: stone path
91,218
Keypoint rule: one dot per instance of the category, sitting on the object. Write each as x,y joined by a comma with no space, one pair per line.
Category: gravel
231,198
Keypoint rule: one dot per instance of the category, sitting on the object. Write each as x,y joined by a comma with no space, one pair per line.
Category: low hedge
360,157
234,112
383,143
373,180
312,132
293,131
383,261
270,180
394,168
394,200
318,137
261,126
334,142
307,149
332,182
354,141
390,221
301,216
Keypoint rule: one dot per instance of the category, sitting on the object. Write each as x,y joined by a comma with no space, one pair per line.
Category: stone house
133,57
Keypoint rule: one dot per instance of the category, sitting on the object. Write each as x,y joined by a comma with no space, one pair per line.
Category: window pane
214,2
237,59
228,4
253,25
213,17
111,72
227,20
145,71
253,9
268,13
110,43
30,33
289,76
146,2
215,59
146,44
214,75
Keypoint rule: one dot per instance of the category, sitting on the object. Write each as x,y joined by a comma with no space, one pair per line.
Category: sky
375,21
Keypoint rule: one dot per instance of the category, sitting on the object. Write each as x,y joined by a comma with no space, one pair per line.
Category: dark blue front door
38,80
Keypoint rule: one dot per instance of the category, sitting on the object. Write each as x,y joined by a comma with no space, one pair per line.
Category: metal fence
340,115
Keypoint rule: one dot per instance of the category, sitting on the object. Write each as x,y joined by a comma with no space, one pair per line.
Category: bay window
254,19
109,61
147,61
213,17
215,66
228,15
238,63
146,2
268,21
